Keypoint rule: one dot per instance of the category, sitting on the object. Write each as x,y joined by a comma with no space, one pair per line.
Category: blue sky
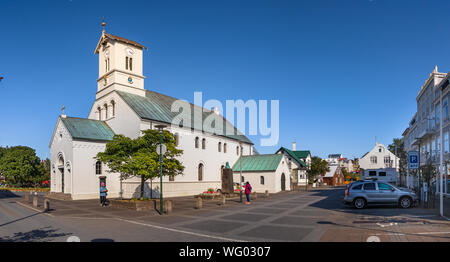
344,72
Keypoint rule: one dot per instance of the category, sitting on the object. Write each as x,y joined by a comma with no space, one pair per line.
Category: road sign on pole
413,160
159,148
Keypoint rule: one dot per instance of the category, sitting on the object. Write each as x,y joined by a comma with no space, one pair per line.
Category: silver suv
371,192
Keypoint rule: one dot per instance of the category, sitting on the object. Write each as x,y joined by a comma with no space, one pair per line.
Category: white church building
123,106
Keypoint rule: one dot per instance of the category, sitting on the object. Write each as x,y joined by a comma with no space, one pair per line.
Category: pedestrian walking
248,190
103,193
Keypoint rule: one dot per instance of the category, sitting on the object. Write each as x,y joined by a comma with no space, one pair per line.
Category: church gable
60,133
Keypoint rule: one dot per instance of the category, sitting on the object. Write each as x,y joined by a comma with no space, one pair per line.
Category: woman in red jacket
248,190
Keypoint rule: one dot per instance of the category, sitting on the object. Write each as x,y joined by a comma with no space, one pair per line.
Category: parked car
372,192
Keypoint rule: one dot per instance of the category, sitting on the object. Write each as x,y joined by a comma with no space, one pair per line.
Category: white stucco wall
272,180
61,146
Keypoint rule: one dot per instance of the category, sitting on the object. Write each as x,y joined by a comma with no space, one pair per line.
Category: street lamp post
240,174
441,167
160,128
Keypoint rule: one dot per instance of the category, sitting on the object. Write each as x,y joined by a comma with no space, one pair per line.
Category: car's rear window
357,187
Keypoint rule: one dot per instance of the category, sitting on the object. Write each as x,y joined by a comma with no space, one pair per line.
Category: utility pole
441,167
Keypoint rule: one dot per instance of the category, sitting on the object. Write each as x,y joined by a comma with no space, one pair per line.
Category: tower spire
103,24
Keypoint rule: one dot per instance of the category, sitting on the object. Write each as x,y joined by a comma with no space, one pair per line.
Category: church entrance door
61,171
283,182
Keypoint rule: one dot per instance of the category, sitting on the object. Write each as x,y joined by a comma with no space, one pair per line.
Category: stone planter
139,205
209,196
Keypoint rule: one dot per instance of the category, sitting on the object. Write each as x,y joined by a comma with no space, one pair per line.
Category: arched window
99,112
113,108
219,146
98,168
196,142
225,147
203,143
106,111
262,180
237,150
200,172
177,139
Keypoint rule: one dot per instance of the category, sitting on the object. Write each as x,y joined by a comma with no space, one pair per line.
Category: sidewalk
92,208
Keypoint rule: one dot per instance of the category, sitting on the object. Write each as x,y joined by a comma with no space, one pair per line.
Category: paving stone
266,210
246,217
297,221
278,233
214,226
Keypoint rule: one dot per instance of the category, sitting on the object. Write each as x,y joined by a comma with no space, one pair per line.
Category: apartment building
423,132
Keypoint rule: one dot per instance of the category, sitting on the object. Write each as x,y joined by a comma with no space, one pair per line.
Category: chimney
294,146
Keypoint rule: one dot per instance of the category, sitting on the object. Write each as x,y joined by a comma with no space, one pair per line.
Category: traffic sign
413,159
158,149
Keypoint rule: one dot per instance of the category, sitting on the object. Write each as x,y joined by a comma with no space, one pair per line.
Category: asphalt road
316,215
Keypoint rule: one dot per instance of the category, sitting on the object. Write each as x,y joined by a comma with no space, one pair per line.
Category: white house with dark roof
123,106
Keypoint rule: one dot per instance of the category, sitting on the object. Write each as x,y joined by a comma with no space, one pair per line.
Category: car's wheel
359,203
405,202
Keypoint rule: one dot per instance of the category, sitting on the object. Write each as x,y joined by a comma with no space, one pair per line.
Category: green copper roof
297,155
157,107
302,154
88,129
258,163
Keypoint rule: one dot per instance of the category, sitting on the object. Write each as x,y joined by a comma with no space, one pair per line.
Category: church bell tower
120,65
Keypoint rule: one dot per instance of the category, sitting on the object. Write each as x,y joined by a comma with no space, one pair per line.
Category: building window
446,143
225,147
200,172
196,142
113,108
387,159
373,159
219,147
237,150
99,112
433,148
203,143
438,114
438,145
129,63
106,111
262,180
98,168
171,178
445,108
